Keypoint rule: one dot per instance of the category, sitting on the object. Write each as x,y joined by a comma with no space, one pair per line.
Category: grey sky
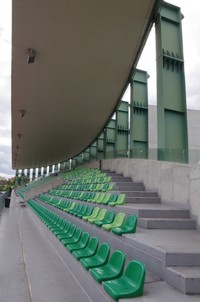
191,30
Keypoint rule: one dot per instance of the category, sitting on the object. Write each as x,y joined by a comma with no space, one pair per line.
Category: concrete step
142,199
163,213
130,188
129,183
185,279
121,179
140,193
167,223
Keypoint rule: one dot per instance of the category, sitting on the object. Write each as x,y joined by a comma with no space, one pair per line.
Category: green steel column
79,159
122,130
110,136
171,95
86,155
139,115
93,151
100,146
73,163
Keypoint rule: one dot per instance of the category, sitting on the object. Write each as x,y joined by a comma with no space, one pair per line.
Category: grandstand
99,218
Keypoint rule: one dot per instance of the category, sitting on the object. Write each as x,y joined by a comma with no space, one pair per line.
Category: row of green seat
107,269
100,187
108,220
91,180
111,199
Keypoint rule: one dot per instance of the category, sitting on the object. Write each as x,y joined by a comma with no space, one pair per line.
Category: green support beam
139,115
100,146
93,151
110,139
86,155
122,130
171,95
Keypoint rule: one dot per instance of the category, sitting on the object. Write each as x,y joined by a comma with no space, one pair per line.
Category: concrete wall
43,188
177,183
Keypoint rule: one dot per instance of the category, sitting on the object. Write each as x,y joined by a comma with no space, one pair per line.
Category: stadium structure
106,203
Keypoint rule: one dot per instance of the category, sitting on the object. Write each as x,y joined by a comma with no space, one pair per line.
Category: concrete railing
175,182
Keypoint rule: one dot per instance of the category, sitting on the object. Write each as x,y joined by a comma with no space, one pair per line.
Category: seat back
135,273
109,216
104,251
131,223
77,234
84,238
117,261
102,214
119,218
93,244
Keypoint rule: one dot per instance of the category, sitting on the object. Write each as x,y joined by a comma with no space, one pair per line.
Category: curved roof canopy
85,52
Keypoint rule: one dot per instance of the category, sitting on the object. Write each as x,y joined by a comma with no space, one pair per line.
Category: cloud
5,160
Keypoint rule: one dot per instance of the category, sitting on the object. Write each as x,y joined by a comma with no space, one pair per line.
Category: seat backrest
117,260
89,210
93,243
104,251
110,216
101,214
119,218
72,229
131,222
77,233
95,212
135,273
84,238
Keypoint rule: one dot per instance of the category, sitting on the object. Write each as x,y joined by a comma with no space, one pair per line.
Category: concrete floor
32,270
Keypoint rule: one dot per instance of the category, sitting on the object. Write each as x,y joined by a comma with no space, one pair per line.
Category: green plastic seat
82,211
87,213
117,222
69,233
129,226
89,250
100,216
82,243
98,259
100,198
93,215
73,204
112,269
120,200
109,217
130,284
64,230
75,238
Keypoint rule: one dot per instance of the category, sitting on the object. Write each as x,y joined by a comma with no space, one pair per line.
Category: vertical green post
86,155
139,115
171,95
110,136
93,151
122,130
100,146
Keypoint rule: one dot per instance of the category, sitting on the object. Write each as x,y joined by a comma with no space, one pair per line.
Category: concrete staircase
167,240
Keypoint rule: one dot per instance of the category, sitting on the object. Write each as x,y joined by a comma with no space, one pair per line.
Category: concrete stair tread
185,271
186,279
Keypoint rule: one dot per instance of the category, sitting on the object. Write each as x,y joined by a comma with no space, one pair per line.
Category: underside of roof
85,52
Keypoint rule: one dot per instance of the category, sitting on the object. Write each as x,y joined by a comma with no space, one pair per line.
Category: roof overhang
85,52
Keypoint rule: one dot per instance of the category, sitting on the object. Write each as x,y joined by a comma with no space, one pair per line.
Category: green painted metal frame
100,146
110,139
139,115
171,95
122,130
93,151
